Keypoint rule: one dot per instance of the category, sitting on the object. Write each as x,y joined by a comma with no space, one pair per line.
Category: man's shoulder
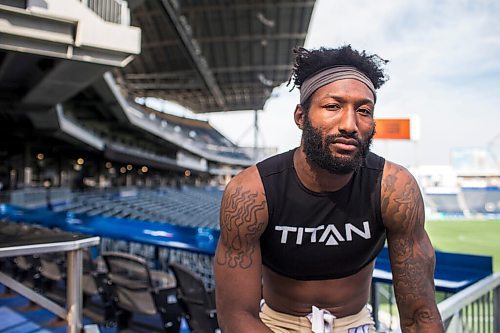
244,198
395,170
400,195
247,180
276,163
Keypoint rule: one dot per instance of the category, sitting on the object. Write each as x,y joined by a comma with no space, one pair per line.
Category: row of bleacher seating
201,135
482,201
445,203
192,206
195,207
187,206
190,128
120,288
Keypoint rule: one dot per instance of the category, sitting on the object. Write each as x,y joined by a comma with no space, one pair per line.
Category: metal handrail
452,309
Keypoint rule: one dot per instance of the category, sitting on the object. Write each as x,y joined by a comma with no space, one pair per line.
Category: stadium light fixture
265,21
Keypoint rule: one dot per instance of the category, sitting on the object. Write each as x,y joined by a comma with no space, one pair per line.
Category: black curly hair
309,62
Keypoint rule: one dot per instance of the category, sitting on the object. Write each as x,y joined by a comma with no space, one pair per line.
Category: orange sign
393,129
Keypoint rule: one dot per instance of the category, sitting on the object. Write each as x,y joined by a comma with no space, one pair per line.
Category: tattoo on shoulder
240,226
403,203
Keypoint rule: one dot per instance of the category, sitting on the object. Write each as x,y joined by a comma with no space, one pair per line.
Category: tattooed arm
237,262
410,250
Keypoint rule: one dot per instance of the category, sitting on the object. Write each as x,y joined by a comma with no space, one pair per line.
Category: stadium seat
53,274
197,303
97,297
137,289
27,271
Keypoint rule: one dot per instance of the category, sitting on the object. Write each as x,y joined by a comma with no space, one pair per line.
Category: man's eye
332,106
365,111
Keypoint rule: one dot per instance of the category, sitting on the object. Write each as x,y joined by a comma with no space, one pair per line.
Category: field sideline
467,236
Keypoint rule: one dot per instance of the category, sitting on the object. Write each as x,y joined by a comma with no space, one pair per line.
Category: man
301,230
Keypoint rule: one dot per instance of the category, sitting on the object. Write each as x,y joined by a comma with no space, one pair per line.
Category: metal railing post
467,304
375,303
74,291
496,309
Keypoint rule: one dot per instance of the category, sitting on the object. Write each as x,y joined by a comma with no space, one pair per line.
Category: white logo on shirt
328,234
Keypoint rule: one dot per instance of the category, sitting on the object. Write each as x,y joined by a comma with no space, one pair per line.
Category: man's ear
298,116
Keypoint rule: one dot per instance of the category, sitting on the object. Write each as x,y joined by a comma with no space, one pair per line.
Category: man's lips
346,141
346,144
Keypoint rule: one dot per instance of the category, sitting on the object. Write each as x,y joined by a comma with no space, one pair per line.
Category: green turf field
465,236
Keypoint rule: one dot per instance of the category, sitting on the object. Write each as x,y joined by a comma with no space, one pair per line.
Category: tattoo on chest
240,227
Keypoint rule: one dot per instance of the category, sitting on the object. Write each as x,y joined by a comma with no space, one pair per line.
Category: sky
444,73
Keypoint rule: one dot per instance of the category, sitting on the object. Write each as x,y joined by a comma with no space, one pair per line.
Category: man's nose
348,121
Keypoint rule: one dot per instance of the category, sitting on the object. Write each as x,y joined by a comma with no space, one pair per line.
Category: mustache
332,138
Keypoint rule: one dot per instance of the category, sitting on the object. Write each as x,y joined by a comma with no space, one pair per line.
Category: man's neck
315,178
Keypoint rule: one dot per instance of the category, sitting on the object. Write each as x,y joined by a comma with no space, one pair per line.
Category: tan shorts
278,322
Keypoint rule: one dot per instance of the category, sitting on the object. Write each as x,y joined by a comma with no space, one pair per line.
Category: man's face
339,127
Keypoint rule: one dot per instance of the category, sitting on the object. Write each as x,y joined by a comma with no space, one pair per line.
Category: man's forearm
425,320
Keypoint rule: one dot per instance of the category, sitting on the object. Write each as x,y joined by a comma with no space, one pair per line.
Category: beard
317,149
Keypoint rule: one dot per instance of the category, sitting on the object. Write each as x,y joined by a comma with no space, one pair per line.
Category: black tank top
317,236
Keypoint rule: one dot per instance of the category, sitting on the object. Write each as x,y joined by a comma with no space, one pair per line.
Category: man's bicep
237,262
238,288
238,294
411,252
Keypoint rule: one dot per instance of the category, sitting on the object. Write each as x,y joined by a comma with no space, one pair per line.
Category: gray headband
329,75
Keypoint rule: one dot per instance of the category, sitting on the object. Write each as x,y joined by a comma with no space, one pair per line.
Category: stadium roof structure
68,95
215,55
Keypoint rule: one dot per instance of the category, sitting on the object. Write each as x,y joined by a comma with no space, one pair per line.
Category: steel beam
160,75
250,5
250,38
195,53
